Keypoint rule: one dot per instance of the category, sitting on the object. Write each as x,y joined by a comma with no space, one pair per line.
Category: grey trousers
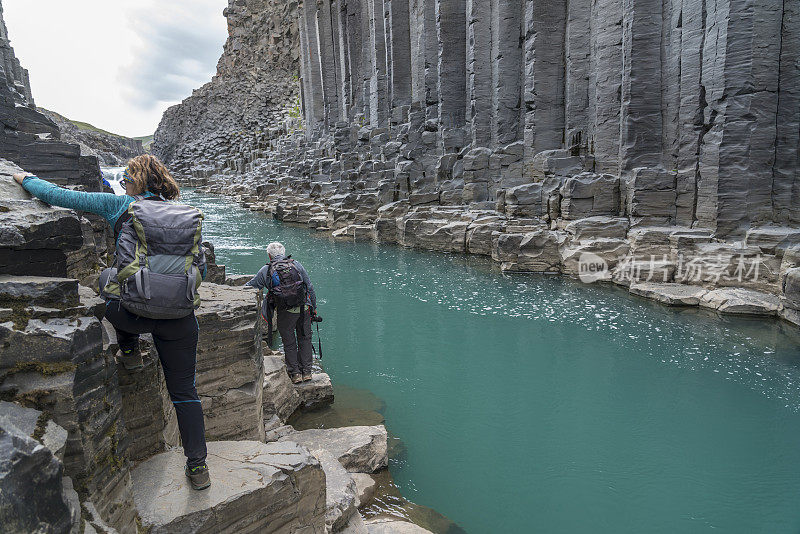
296,337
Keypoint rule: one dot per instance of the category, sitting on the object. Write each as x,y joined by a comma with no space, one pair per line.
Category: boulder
481,234
255,487
736,301
340,492
316,393
36,425
365,487
598,228
360,449
525,201
538,252
32,493
610,252
791,289
773,239
669,294
588,194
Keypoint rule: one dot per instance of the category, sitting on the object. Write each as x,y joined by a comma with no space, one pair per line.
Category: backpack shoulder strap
127,215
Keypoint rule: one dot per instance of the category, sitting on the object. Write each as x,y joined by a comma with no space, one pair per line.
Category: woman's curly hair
147,173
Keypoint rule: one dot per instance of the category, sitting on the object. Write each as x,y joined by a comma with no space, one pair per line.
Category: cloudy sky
116,64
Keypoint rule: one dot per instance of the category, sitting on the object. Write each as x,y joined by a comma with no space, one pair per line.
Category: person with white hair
291,293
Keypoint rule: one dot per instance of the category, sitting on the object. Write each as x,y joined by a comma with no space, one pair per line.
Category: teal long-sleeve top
107,205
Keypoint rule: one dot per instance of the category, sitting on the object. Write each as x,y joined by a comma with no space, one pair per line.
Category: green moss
43,368
140,528
41,426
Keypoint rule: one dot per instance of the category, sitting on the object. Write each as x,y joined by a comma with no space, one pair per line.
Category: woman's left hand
20,176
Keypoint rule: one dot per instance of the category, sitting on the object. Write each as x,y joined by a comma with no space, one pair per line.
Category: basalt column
786,173
398,34
605,83
312,70
691,120
544,77
424,56
329,61
506,31
647,188
479,71
451,25
351,36
378,88
576,54
741,67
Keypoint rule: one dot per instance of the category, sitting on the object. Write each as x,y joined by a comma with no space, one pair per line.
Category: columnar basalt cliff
30,139
655,139
248,100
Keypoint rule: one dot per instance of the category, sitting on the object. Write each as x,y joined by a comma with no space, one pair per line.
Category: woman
174,339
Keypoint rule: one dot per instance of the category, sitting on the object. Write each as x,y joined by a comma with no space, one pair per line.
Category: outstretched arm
260,280
107,205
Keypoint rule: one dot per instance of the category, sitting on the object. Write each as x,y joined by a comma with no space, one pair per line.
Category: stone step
360,449
255,487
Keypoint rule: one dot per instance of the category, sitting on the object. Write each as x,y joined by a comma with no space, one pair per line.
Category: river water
532,403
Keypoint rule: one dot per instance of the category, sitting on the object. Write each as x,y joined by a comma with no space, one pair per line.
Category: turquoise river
530,403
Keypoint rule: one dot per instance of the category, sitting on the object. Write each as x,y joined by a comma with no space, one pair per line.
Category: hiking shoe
296,379
131,359
198,476
307,377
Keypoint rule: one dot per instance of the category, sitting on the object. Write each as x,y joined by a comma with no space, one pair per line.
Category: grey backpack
159,259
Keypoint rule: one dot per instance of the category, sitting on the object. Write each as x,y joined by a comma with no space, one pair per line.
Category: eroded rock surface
360,449
256,487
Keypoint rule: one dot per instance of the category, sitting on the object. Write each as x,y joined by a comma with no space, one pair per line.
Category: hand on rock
20,176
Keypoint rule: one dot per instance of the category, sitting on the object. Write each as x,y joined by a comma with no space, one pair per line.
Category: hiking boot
296,379
306,377
198,476
130,359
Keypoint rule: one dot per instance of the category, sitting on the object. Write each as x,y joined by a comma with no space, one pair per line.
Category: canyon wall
30,139
254,89
655,139
691,108
110,150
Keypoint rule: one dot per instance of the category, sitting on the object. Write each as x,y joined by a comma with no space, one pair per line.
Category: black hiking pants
295,330
176,343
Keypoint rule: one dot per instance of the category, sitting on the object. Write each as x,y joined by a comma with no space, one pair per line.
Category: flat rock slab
670,294
393,526
341,500
737,301
38,289
255,487
316,393
360,449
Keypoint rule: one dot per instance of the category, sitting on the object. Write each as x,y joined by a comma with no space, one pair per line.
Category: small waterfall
112,177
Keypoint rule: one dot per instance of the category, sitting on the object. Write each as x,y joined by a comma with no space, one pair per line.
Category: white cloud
117,65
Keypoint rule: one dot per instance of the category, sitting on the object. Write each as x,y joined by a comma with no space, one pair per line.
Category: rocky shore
630,143
677,266
88,447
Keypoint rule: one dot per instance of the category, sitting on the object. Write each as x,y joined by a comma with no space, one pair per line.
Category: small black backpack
288,289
